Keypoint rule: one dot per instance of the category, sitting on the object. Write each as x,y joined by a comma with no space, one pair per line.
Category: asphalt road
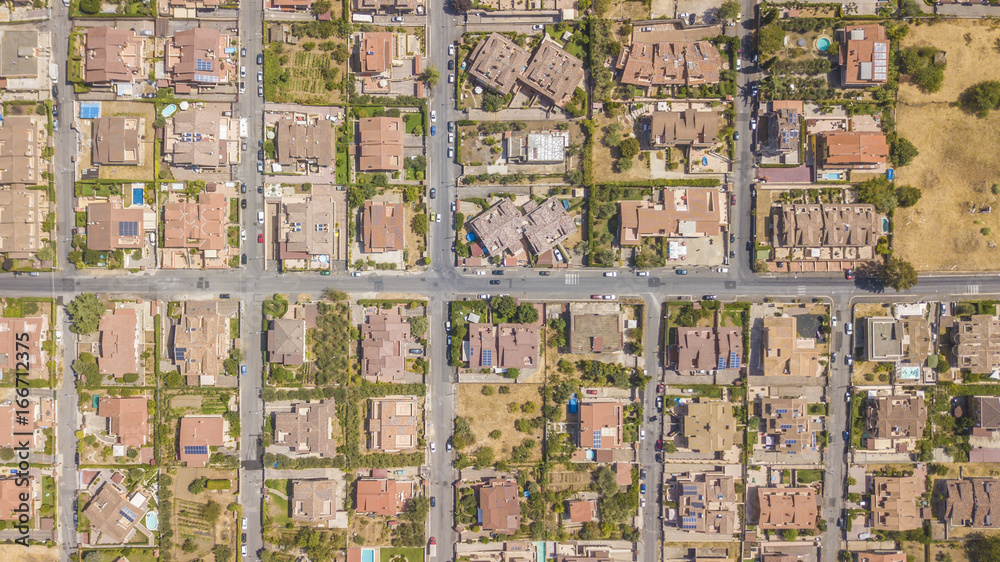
441,284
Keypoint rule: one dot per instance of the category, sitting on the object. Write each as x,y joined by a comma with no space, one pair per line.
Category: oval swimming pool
822,43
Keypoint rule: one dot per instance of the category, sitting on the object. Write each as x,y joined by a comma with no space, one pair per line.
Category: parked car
659,403
682,272
244,523
736,135
243,203
243,71
494,281
659,388
497,272
243,234
260,91
260,58
642,273
433,501
243,370
243,52
243,259
451,152
260,238
537,27
433,193
434,130
397,19
848,328
434,116
591,391
451,64
849,274
355,274
451,126
55,110
709,297
433,446
451,50
451,78
545,273
260,76
611,274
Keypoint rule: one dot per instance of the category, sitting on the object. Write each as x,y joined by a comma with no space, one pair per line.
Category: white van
260,217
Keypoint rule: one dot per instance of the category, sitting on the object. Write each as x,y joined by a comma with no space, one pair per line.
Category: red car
591,391
659,389
659,444
260,237
598,297
849,274
733,199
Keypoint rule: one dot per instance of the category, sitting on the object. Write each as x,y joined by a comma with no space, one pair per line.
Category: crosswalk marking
801,289
972,289
572,278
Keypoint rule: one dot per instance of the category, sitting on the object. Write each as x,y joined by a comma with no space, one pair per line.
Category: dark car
659,457
682,272
732,238
545,273
433,501
74,232
55,110
243,188
709,297
732,199
243,203
243,259
433,193
494,281
849,274
260,58
243,53
653,418
260,154
434,130
732,254
451,64
243,538
260,189
55,91
497,272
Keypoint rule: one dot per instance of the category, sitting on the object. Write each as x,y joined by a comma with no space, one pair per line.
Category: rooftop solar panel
487,358
128,514
128,228
203,65
195,449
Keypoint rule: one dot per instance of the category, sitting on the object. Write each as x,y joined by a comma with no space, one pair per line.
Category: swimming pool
152,521
137,196
833,176
823,43
368,555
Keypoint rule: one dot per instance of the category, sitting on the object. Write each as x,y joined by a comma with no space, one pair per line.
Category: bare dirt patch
472,403
34,553
189,509
953,173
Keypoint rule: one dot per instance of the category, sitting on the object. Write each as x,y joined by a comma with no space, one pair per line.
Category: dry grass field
489,413
34,553
954,168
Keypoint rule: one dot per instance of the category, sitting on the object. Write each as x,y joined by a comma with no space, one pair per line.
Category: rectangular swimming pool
137,196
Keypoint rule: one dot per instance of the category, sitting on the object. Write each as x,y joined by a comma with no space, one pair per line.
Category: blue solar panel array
722,363
128,514
689,523
203,65
487,358
179,353
195,449
128,228
597,438
734,360
90,110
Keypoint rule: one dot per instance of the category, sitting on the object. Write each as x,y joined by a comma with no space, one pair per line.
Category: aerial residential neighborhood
499,281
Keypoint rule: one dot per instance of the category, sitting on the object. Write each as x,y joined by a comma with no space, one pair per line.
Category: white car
437,217
642,273
260,75
642,434
723,270
447,446
480,272
244,551
451,152
434,116
451,138
610,297
433,447
484,297
243,71
453,206
451,78
611,274
244,523
243,234
833,321
537,27
451,50
642,503
848,328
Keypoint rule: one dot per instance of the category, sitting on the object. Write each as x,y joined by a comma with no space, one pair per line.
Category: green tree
189,545
602,7
90,6
526,314
485,456
979,99
197,485
879,192
612,135
729,10
431,76
419,224
212,511
85,313
898,274
629,148
902,152
418,326
929,78
982,548
222,553
504,305
7,454
624,164
321,7
907,195
770,38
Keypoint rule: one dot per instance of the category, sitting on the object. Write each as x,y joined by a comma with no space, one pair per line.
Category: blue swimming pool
152,521
833,176
823,43
137,196
368,555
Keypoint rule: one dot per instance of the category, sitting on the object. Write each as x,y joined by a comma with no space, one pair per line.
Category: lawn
472,402
411,554
414,123
293,75
952,173
279,510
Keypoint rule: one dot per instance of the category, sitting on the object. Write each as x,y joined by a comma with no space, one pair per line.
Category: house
669,63
110,226
201,341
380,144
883,338
11,348
384,338
895,503
499,509
680,213
37,416
116,141
497,63
970,502
786,508
502,346
399,6
202,137
596,327
308,229
864,55
289,5
538,148
127,419
286,341
307,429
20,165
709,427
393,423
199,225
197,58
976,342
196,438
17,497
854,150
553,73
784,127
903,338
827,231
986,412
706,503
381,496
375,50
315,501
880,556
22,213
601,425
120,341
896,417
306,143
707,349
581,511
114,514
383,226
20,65
785,352
786,425
188,8
669,129
504,228
113,56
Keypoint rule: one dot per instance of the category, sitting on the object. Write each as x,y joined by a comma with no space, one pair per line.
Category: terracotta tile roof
708,348
971,502
785,353
301,142
37,330
307,429
113,56
196,437
201,339
375,51
896,417
582,511
380,144
553,73
382,496
392,423
382,227
977,343
10,498
670,63
383,345
895,503
197,57
787,423
505,228
503,346
38,415
852,149
315,501
706,503
677,213
108,225
601,425
113,516
787,508
710,426
864,55
127,419
120,340
116,141
498,502
199,138
986,412
497,63
308,226
19,152
869,556
835,225
199,225
683,128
